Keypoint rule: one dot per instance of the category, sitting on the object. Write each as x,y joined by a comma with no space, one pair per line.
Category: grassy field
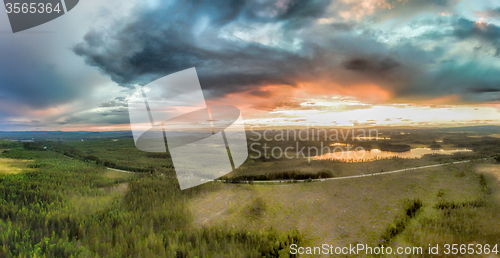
13,166
356,210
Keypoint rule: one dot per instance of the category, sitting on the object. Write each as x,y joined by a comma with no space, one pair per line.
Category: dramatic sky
282,62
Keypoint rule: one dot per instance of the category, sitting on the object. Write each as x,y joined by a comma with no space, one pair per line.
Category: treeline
486,146
285,175
9,144
394,147
74,153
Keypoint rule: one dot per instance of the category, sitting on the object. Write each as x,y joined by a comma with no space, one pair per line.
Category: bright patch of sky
351,113
270,34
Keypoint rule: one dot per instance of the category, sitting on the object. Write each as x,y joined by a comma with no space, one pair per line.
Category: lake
363,155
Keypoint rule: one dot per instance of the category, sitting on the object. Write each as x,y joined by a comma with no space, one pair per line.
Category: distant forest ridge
87,135
61,135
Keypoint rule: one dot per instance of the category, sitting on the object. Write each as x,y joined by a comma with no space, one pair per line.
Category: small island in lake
394,147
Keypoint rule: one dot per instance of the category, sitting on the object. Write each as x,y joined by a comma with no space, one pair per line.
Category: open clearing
13,166
334,212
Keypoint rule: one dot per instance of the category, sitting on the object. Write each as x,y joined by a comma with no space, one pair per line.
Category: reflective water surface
362,155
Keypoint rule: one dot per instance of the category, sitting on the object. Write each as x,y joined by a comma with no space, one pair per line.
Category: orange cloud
256,103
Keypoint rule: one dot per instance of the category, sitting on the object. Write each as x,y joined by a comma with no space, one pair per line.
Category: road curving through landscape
287,181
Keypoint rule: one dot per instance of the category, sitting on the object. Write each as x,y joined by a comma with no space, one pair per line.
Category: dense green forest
63,207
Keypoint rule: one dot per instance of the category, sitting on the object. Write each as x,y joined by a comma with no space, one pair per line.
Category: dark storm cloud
458,28
107,116
468,76
166,39
371,65
183,34
162,41
221,71
296,12
485,90
464,29
468,79
26,78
